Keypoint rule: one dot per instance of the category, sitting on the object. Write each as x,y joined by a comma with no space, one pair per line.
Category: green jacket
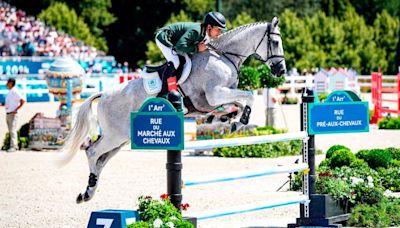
182,36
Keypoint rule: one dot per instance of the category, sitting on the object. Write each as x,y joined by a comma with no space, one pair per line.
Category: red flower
353,193
164,196
185,206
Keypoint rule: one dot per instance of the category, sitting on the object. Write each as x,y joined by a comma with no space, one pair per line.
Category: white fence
294,84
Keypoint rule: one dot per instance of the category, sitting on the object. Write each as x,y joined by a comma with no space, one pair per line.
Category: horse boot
244,119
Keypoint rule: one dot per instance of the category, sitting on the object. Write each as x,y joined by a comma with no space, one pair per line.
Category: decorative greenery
382,214
376,157
389,123
266,78
342,157
266,150
159,214
249,78
23,138
333,149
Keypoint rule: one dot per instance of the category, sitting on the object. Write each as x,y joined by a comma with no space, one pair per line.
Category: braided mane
225,37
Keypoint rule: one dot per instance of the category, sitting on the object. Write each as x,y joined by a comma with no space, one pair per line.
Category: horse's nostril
282,72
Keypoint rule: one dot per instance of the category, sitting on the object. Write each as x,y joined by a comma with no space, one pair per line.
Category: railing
294,84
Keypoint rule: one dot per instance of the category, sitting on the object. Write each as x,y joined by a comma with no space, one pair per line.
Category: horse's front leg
223,95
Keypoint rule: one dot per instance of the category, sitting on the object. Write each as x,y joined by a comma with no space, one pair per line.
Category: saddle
156,76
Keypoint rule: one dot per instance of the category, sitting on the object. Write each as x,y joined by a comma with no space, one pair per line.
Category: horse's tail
79,132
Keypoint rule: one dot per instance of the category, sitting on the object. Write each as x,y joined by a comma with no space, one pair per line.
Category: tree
66,20
386,30
300,50
359,49
97,16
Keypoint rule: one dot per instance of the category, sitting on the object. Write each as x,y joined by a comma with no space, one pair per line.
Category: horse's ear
275,22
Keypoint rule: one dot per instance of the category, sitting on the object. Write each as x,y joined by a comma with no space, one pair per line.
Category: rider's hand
201,46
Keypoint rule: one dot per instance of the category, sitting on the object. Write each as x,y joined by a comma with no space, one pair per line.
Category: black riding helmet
215,19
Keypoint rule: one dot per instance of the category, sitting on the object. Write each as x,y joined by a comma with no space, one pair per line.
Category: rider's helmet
215,19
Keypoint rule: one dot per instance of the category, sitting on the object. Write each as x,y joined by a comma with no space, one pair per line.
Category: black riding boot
169,72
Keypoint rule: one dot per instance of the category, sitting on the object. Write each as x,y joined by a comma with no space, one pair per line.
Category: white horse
212,82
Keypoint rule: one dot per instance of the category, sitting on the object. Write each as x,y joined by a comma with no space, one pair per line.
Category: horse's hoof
210,119
87,197
79,199
235,126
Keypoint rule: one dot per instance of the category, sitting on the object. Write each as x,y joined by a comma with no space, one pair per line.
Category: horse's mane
224,37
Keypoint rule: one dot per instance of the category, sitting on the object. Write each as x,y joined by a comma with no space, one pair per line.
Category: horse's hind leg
98,155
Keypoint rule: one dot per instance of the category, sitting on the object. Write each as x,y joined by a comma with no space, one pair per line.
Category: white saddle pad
151,82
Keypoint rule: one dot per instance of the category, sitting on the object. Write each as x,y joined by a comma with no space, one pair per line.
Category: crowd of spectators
22,35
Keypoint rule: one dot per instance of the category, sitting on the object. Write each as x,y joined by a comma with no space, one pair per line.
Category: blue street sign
338,117
157,126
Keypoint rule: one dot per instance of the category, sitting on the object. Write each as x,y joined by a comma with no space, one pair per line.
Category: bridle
267,34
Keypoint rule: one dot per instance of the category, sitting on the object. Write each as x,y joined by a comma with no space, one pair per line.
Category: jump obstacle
313,207
377,91
174,167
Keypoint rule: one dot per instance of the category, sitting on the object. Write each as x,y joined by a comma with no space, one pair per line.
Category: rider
187,38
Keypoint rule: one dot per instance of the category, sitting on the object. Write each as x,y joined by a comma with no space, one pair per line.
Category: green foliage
241,19
23,138
96,15
342,157
322,96
364,215
359,164
376,157
161,212
394,152
333,149
249,78
389,123
267,150
267,80
390,178
199,8
66,20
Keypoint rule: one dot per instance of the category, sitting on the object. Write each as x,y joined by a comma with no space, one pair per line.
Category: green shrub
359,164
334,148
383,214
342,157
377,158
390,178
395,163
395,152
23,138
266,150
325,163
364,215
361,154
371,196
389,123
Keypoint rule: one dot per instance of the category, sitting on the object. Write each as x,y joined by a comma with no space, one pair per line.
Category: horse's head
270,49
